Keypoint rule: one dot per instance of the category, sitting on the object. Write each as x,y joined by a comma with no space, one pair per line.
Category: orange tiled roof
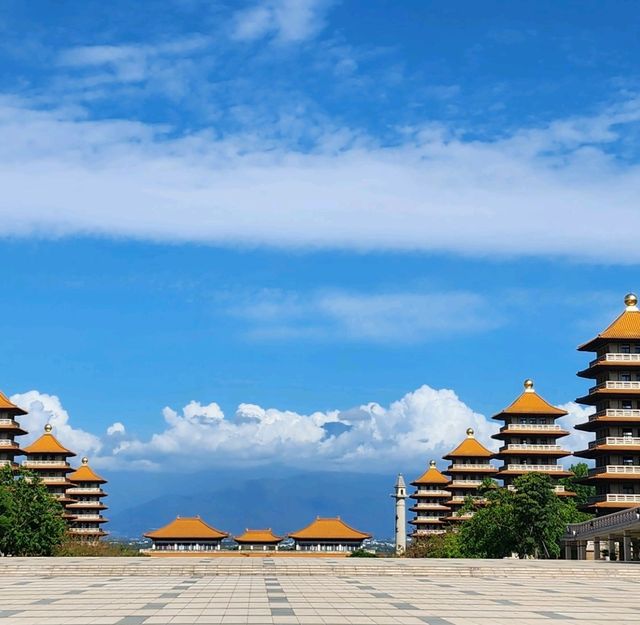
47,444
258,536
626,326
85,474
431,476
469,448
187,528
530,402
5,404
329,529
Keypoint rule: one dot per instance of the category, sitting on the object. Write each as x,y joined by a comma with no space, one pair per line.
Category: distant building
400,495
9,429
86,493
616,422
529,436
186,534
430,496
469,467
258,540
48,459
331,534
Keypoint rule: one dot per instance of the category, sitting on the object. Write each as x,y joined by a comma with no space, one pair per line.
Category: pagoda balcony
614,441
616,385
80,518
55,479
539,427
428,519
465,483
9,422
86,530
471,467
7,442
6,463
530,447
619,469
457,499
54,464
75,490
559,489
541,468
615,357
615,498
616,412
436,492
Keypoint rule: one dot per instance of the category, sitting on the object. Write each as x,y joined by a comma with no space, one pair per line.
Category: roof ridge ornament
48,428
631,302
432,464
528,386
470,433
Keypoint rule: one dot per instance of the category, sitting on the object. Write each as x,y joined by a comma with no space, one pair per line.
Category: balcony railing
89,491
5,463
617,385
530,447
457,499
46,463
615,412
87,517
542,468
616,358
7,442
428,519
627,469
430,493
471,467
559,489
463,483
8,422
541,427
626,441
426,506
615,498
54,479
85,530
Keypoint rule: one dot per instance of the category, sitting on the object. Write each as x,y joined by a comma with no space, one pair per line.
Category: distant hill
233,500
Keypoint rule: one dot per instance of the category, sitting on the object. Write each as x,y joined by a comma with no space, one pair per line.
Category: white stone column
596,548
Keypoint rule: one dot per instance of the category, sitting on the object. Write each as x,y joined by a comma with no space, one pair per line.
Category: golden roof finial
85,460
528,385
631,301
48,428
432,464
470,432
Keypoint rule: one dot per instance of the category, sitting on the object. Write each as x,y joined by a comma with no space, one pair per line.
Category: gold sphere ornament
48,428
432,464
528,384
631,299
85,460
470,432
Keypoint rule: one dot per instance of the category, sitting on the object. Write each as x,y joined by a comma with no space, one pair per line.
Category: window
626,405
627,460
625,349
625,376
627,433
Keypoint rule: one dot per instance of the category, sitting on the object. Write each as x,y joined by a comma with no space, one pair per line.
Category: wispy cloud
537,191
383,317
285,21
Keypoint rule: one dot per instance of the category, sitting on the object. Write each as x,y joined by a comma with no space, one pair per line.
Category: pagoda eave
429,522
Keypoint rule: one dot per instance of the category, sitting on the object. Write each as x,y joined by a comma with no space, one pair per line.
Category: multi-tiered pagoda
616,421
9,429
469,467
430,507
529,436
86,493
48,459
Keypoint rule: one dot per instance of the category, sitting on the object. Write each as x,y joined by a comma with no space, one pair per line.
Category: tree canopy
31,522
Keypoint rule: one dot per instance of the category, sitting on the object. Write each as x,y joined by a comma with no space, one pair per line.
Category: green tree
573,483
31,522
444,545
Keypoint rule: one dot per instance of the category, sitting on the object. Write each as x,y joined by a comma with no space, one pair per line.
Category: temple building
258,540
616,421
86,493
9,429
529,436
469,467
48,458
186,534
430,508
331,534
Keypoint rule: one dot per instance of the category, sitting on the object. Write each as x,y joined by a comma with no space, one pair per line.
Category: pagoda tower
616,421
48,459
9,429
469,467
86,493
529,436
430,496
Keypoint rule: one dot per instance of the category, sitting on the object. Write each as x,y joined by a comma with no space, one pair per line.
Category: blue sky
284,211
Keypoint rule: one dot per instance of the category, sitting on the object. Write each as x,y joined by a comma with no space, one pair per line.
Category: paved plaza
136,591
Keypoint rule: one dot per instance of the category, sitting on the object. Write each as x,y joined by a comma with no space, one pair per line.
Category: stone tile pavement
146,595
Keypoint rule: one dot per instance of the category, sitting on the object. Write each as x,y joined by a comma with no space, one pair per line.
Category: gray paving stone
282,612
553,615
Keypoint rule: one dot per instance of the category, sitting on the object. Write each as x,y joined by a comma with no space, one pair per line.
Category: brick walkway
87,591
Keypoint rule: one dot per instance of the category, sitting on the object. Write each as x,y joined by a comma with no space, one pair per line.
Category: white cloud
384,317
116,429
43,409
534,192
577,440
287,21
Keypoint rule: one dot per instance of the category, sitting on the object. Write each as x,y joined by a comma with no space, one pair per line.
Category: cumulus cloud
116,429
288,21
64,174
577,440
43,409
